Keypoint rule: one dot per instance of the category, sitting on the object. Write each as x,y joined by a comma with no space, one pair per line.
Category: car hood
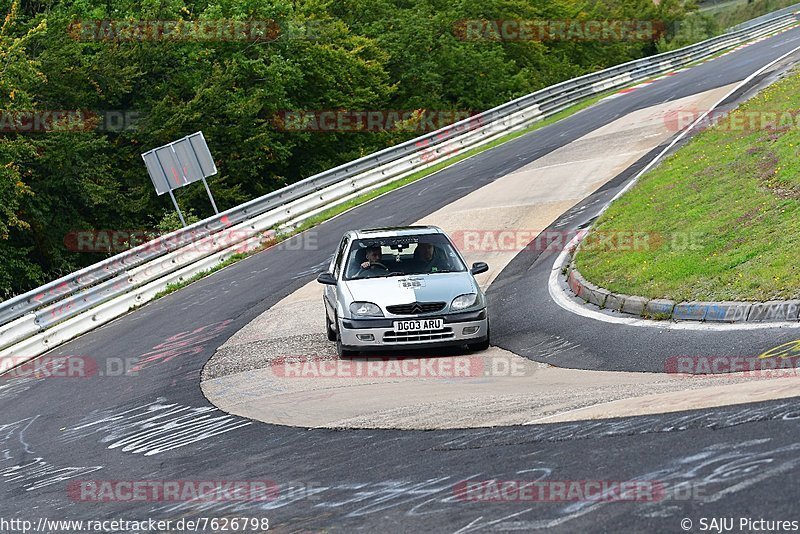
442,287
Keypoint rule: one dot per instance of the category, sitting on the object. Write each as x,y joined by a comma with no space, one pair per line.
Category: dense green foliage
713,18
361,55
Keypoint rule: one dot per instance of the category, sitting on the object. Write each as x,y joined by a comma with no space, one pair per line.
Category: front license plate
418,324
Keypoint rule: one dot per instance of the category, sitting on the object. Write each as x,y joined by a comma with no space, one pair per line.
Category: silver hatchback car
404,287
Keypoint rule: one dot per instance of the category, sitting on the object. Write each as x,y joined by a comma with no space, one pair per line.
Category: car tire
329,328
343,352
340,350
481,345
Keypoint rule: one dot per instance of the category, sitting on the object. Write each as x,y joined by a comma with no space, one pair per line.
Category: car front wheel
343,352
340,350
329,329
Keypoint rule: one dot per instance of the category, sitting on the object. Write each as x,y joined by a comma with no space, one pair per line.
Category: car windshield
400,256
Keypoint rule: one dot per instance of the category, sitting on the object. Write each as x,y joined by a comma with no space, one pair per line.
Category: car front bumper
377,334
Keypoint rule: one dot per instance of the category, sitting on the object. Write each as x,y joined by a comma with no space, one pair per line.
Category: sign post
175,203
180,163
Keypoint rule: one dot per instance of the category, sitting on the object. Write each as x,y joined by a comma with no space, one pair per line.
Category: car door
336,269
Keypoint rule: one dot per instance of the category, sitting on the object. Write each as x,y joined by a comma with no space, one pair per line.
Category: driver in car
373,257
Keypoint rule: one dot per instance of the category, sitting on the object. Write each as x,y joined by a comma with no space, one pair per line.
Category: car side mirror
326,278
479,267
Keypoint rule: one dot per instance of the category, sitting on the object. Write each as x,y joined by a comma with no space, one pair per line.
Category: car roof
396,231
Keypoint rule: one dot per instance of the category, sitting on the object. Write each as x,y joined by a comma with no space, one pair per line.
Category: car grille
420,335
415,308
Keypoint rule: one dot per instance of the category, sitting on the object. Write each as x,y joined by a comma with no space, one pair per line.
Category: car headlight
464,301
365,309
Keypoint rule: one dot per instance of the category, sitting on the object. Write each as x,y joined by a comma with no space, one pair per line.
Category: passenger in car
428,258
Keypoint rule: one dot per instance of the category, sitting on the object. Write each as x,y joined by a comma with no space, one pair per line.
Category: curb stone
634,305
724,312
690,311
585,290
615,302
728,312
774,310
660,307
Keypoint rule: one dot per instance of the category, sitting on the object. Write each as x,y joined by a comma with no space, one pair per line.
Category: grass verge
715,221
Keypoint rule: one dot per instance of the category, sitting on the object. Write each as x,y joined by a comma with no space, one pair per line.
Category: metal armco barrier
37,321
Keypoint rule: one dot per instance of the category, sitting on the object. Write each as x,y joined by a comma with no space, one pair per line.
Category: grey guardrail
80,291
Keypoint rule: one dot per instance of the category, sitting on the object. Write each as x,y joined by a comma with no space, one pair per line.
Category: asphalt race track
739,461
